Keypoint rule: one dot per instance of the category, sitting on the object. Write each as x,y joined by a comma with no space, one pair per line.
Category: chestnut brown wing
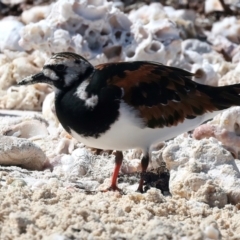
163,95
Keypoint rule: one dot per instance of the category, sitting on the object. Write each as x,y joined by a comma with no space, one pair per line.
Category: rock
225,127
35,14
21,152
24,127
202,170
10,34
228,27
213,6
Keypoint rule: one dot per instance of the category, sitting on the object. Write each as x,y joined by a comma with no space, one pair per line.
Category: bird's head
63,70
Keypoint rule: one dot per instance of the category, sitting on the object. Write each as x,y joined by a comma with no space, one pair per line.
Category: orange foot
118,163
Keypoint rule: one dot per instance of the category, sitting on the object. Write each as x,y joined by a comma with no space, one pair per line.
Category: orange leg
144,163
118,163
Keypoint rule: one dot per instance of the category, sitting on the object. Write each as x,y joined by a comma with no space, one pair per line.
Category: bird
128,105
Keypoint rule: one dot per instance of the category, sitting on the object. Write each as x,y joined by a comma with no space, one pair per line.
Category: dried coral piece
102,33
10,34
29,98
13,66
232,77
228,27
202,170
22,124
225,128
21,152
35,14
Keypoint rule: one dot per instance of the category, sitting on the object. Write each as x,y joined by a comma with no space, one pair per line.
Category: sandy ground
52,207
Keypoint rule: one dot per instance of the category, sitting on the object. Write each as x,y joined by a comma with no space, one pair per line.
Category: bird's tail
223,97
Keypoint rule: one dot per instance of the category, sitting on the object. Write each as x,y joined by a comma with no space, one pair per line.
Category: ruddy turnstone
125,105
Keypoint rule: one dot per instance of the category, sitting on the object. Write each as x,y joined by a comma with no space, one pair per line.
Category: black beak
37,78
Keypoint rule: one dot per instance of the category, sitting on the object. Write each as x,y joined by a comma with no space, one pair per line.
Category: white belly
128,132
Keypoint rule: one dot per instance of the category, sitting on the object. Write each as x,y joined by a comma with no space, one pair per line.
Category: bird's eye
60,67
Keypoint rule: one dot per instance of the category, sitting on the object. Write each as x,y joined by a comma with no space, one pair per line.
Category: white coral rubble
21,152
202,170
225,127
